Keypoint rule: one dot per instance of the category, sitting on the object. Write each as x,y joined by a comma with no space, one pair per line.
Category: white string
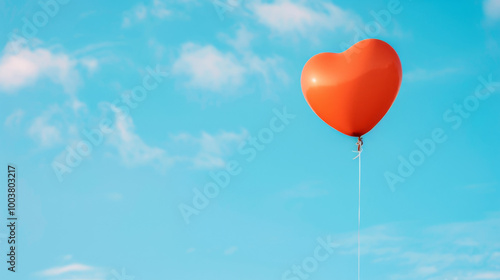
360,149
359,210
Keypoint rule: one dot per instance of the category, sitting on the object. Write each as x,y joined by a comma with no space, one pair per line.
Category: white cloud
426,270
205,151
44,130
23,64
26,65
90,63
433,253
214,147
287,16
74,271
266,70
490,275
159,9
241,41
208,68
208,150
492,9
157,49
58,124
131,148
14,118
140,12
76,267
96,47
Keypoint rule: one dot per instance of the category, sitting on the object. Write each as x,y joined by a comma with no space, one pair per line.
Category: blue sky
175,93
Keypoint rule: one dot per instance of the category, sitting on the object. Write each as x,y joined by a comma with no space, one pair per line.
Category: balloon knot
360,145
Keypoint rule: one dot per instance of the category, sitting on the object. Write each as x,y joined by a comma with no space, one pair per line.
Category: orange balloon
353,90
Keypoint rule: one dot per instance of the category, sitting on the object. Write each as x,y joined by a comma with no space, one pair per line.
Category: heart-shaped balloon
353,90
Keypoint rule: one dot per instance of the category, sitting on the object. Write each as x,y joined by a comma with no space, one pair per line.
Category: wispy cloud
492,9
490,275
268,70
73,271
140,12
206,67
242,40
420,74
207,151
44,130
136,14
132,149
57,124
302,17
90,64
439,252
76,267
15,118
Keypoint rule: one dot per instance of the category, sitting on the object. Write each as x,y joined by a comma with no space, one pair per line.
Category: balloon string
360,149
